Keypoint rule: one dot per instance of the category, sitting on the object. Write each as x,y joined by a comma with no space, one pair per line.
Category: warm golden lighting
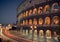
40,21
35,26
30,12
23,22
40,10
35,22
30,22
20,16
47,20
31,26
46,9
34,10
56,20
26,13
26,22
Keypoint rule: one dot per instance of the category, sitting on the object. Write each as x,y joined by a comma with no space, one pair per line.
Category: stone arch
40,10
24,14
55,7
48,33
40,21
41,33
30,12
35,32
27,13
20,15
55,20
34,10
47,20
23,22
35,21
47,9
26,22
30,22
26,32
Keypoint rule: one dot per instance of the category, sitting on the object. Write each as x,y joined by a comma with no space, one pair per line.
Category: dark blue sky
8,11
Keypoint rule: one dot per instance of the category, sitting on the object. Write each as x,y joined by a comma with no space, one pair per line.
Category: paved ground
25,38
5,38
29,37
18,39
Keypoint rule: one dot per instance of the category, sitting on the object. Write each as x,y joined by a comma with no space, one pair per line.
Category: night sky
8,12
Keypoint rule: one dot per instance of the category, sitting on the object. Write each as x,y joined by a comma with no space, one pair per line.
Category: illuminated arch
26,32
34,10
48,33
55,7
56,20
41,32
40,10
26,22
47,9
40,21
26,13
20,16
30,22
47,20
30,12
35,21
35,32
23,22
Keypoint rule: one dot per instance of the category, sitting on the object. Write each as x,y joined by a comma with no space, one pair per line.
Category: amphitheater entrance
48,34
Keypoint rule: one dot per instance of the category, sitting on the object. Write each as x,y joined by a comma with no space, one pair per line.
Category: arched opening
30,12
30,34
20,15
40,10
47,9
26,22
35,32
55,7
23,32
34,10
40,21
55,20
48,34
35,35
26,32
47,20
41,33
27,13
23,22
34,22
30,22
55,34
24,14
